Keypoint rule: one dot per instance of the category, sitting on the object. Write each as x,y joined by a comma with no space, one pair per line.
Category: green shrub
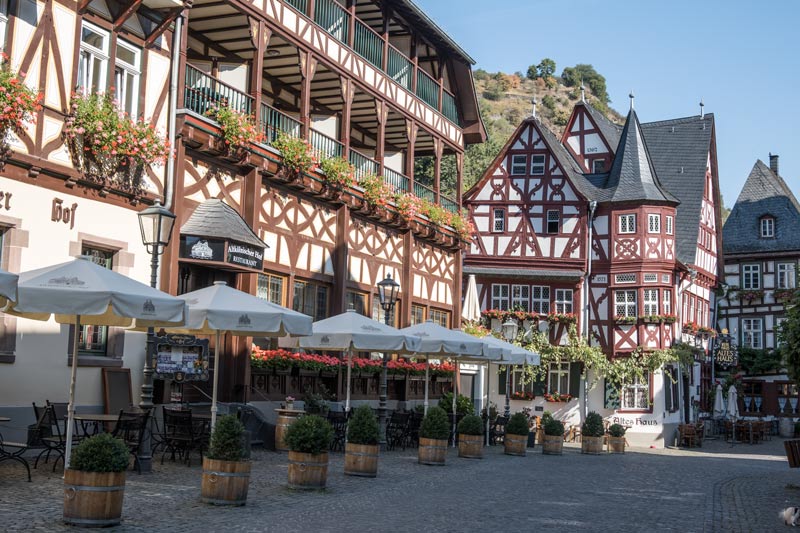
592,426
227,440
518,425
464,405
363,427
471,425
101,453
547,415
309,434
616,430
553,427
316,403
435,425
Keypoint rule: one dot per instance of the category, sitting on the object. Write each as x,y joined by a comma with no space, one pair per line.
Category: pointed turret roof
633,176
764,194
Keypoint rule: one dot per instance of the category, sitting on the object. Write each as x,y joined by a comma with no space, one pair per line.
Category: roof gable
215,218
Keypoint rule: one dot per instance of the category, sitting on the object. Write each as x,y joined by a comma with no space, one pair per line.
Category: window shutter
539,387
575,379
501,384
611,395
667,389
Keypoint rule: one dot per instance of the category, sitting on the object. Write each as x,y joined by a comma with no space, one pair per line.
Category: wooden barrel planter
285,419
432,451
591,445
93,499
616,444
552,444
361,459
225,482
307,471
470,446
515,444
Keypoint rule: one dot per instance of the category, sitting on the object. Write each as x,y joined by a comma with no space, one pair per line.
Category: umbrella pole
456,378
216,381
427,384
349,370
488,403
71,407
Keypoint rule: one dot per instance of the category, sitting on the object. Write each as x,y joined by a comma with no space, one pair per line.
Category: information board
182,358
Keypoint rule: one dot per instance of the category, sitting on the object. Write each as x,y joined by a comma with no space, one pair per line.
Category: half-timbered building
615,225
375,82
762,248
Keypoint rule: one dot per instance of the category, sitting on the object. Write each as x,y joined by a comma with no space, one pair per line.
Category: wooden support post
411,134
348,92
259,38
407,280
415,60
387,15
438,146
308,67
382,110
340,260
351,25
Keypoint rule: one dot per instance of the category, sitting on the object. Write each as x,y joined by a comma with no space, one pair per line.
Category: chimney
773,163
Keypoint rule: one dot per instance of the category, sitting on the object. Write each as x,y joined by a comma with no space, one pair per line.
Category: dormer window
598,166
767,228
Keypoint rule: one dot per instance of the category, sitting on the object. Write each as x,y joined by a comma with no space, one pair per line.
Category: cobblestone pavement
716,488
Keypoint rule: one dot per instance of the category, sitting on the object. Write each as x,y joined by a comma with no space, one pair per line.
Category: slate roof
215,218
764,193
611,131
632,176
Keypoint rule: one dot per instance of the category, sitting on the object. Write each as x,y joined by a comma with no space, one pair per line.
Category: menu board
182,358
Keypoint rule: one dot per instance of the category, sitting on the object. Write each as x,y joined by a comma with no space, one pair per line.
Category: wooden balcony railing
273,122
324,146
368,44
427,89
332,18
204,92
397,181
400,68
362,164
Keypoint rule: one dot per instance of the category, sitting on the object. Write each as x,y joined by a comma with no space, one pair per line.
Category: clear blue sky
741,57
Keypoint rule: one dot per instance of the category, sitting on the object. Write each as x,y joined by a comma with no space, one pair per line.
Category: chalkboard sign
182,358
117,394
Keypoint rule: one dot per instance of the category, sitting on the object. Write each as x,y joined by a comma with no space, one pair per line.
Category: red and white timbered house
617,225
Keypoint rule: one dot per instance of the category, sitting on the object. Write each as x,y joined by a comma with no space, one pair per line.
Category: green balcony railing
325,147
423,192
427,89
300,5
449,109
274,122
203,92
333,18
449,204
362,164
368,44
395,180
399,68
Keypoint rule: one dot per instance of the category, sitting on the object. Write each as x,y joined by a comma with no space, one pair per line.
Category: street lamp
510,329
387,294
156,224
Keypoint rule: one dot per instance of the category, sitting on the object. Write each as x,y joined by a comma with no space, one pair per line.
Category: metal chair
52,437
181,435
131,428
396,430
338,420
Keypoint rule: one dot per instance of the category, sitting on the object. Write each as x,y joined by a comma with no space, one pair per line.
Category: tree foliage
546,68
789,336
586,74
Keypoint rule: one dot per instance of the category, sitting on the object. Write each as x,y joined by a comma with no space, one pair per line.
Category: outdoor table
94,421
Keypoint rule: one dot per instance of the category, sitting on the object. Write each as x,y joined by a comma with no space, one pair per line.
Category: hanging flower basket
18,105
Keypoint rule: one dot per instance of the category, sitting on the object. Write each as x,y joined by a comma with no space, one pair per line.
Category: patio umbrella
733,404
471,311
719,403
350,331
82,292
8,287
219,308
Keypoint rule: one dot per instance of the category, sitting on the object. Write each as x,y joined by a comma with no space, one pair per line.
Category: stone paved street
717,488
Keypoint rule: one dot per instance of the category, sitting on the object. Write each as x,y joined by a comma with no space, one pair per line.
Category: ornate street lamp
156,223
387,294
510,330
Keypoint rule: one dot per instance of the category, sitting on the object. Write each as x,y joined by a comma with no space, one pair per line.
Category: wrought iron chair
412,430
131,428
338,420
51,436
181,435
396,430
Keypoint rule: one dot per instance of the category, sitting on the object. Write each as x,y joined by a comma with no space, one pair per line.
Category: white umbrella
719,403
350,331
733,404
471,310
8,287
219,308
82,292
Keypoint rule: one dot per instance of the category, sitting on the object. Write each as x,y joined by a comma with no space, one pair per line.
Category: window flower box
562,318
557,397
522,395
621,320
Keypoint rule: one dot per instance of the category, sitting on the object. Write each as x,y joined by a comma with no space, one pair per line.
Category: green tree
583,73
546,68
789,335
533,72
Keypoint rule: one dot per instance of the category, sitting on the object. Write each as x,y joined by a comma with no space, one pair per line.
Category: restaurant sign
244,255
726,354
221,251
182,358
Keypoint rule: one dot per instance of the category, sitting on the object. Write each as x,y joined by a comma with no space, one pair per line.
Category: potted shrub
516,438
361,449
470,437
94,483
226,472
616,438
433,434
308,438
592,434
553,436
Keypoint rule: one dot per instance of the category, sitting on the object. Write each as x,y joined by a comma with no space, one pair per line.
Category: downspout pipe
586,287
169,185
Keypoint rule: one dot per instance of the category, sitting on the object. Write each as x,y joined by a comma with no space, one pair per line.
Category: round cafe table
285,419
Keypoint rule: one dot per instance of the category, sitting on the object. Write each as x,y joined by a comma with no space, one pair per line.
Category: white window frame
541,303
650,302
669,224
768,228
124,70
538,164
265,289
518,168
3,23
627,223
751,276
558,375
753,333
786,276
635,396
518,381
520,297
501,219
88,54
653,223
625,303
553,215
500,296
666,301
564,300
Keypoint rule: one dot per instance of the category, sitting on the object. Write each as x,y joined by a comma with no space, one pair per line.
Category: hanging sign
202,248
725,353
246,256
182,358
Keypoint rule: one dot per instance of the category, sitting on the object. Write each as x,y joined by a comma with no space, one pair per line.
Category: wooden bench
792,452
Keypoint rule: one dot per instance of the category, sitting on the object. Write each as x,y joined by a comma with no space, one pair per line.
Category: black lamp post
510,330
387,294
156,224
